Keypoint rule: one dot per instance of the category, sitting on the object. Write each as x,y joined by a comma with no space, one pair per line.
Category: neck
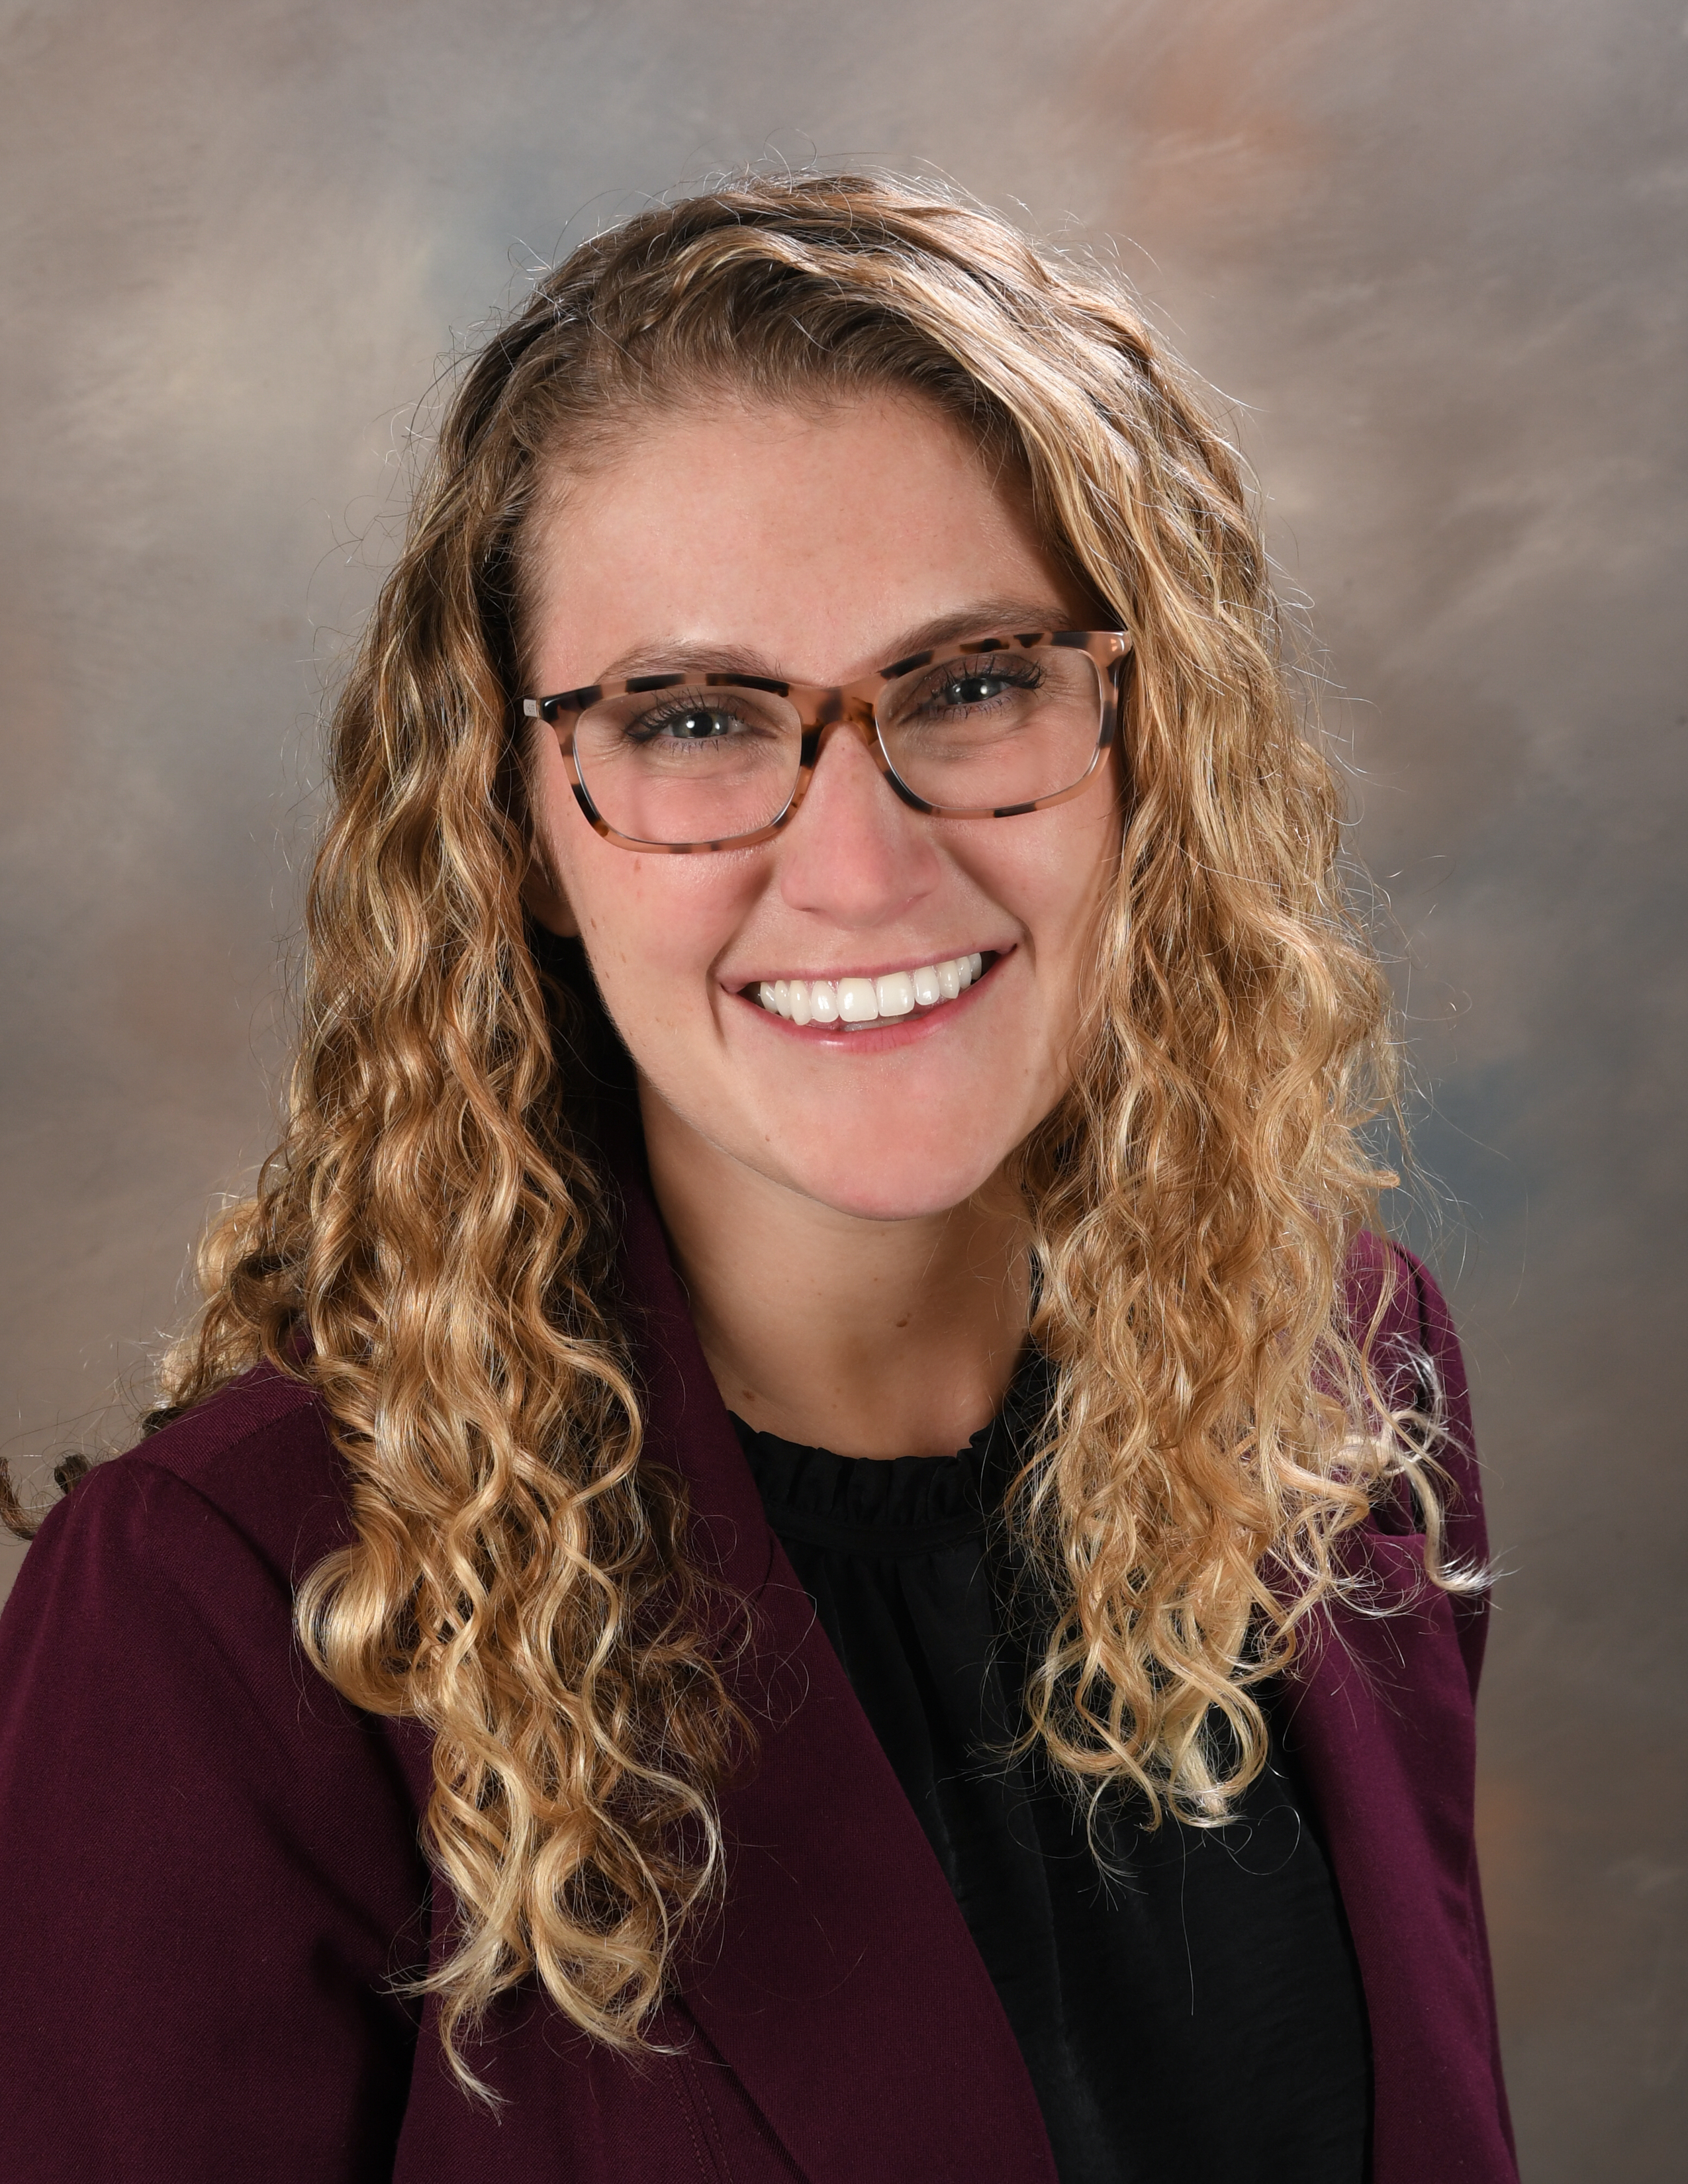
869,1338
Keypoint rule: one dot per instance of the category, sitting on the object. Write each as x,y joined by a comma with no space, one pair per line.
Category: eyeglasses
984,727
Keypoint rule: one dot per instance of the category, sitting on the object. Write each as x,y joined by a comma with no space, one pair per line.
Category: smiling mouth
855,1003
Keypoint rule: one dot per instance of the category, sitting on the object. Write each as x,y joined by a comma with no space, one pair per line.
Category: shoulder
1398,1313
1400,1317
255,1460
1393,1300
192,1543
152,1625
229,1874
255,1449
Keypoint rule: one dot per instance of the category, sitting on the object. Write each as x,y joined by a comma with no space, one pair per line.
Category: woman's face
818,549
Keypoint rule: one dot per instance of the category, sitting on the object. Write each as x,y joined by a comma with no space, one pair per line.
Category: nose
854,853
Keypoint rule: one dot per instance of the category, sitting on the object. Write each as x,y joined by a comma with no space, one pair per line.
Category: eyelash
1018,674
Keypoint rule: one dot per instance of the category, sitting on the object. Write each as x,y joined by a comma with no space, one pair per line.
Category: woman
825,955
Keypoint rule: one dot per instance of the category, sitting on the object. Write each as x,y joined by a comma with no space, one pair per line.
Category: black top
1195,2012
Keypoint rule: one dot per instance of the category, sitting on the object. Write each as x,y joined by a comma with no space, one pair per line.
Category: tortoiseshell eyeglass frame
822,708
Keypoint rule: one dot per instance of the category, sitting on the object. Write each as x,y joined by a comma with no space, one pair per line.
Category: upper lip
738,985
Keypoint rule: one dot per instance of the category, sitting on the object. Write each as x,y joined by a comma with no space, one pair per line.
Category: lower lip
886,1033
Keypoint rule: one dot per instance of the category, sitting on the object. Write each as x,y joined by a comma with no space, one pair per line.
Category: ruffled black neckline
903,1505
897,1505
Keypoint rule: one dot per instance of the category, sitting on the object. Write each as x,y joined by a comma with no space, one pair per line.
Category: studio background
1434,256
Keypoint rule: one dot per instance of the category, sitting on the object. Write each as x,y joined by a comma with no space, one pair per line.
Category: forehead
816,534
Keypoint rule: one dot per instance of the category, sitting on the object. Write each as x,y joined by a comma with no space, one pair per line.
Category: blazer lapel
840,1985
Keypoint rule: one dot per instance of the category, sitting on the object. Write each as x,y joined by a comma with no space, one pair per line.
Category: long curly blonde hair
433,1244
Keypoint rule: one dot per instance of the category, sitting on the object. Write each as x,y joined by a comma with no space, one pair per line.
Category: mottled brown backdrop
1434,253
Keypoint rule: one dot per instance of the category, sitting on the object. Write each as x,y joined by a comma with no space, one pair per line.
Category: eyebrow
1017,617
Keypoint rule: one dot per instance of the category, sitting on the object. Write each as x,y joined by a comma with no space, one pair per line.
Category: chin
874,1188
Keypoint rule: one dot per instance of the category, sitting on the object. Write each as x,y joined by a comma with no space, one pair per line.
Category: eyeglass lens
972,733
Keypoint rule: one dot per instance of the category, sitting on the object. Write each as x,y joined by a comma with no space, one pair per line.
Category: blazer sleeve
212,1876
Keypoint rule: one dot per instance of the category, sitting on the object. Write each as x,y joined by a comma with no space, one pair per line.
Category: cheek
607,890
1058,881
638,947
653,928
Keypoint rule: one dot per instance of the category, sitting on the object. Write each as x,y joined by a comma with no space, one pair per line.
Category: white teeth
865,1000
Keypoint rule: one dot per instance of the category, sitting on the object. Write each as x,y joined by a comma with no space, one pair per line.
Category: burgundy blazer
212,1879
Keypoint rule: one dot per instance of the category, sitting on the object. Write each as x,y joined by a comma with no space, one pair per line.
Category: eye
972,689
964,686
686,724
